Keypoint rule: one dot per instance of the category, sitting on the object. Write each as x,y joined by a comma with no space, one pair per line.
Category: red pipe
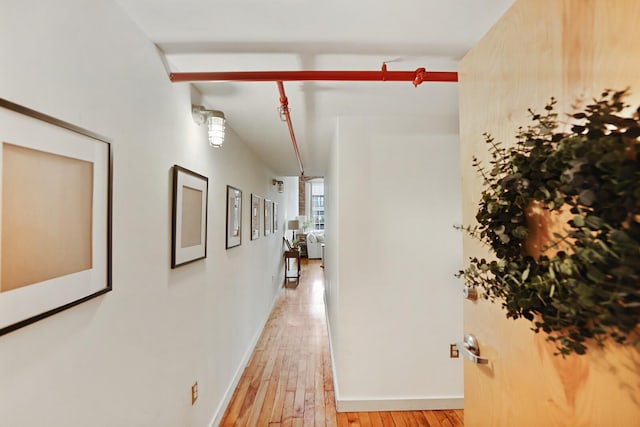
417,77
284,105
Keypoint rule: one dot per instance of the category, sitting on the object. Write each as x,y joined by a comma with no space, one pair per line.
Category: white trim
424,404
336,394
219,412
375,405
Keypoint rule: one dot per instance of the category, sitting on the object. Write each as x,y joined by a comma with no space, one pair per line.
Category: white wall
129,358
291,202
332,253
395,305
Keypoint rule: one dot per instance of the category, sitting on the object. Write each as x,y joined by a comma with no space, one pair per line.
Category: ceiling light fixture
215,121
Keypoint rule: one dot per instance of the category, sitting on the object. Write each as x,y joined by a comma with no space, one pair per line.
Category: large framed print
189,216
275,216
268,217
255,216
55,215
234,217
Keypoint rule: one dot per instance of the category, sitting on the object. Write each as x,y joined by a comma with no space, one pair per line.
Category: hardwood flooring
289,381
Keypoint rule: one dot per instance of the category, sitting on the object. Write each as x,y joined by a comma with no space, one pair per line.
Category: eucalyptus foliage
589,289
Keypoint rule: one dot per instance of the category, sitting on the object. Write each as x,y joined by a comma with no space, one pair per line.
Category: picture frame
275,217
268,217
256,201
234,217
189,216
55,215
286,242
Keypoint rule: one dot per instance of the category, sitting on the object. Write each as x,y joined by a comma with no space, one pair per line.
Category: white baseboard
373,405
336,392
219,413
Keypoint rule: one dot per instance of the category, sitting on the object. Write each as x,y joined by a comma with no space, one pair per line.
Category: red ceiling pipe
418,76
284,110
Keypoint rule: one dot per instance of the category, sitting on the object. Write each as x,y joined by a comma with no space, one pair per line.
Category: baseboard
336,392
219,413
373,405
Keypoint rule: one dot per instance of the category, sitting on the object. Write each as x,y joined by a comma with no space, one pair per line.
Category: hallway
289,381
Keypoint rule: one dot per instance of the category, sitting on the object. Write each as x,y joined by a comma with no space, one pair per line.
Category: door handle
470,349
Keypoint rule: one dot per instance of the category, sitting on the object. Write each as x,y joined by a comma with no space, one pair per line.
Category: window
317,204
317,212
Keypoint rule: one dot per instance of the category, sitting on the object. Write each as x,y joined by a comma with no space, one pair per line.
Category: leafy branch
585,282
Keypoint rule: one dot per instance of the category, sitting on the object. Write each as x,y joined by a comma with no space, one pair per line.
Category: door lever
470,349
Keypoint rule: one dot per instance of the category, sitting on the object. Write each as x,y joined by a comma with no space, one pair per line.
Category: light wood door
539,49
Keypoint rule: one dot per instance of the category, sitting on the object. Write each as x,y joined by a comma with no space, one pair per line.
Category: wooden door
539,49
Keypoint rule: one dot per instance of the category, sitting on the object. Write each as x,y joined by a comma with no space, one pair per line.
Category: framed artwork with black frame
189,216
55,215
275,217
256,201
268,217
234,217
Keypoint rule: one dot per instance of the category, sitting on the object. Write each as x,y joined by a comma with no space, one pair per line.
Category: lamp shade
216,124
293,224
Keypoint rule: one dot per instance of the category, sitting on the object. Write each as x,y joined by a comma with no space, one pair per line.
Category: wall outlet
453,351
194,392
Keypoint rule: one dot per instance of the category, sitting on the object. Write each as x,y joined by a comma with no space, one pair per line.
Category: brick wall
301,196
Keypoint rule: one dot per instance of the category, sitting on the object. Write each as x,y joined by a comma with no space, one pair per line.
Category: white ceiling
260,35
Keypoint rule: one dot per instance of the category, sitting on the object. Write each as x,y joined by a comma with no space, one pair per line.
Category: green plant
589,289
307,223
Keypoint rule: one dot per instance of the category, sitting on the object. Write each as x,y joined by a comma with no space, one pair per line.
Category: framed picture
255,216
234,217
275,217
55,209
268,216
189,216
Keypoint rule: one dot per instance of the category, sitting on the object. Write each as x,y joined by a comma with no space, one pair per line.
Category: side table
293,254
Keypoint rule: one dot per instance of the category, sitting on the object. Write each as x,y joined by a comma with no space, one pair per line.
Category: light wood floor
289,382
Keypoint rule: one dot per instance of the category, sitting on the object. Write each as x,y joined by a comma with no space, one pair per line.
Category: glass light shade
216,125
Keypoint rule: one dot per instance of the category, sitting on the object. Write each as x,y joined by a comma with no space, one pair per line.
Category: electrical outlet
194,392
453,351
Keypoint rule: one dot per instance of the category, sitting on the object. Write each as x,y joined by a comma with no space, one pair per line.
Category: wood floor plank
402,419
460,414
278,400
330,409
443,419
420,418
376,419
264,416
288,380
365,420
387,419
354,420
309,412
319,406
233,411
453,418
343,420
298,404
287,410
292,383
255,411
431,418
